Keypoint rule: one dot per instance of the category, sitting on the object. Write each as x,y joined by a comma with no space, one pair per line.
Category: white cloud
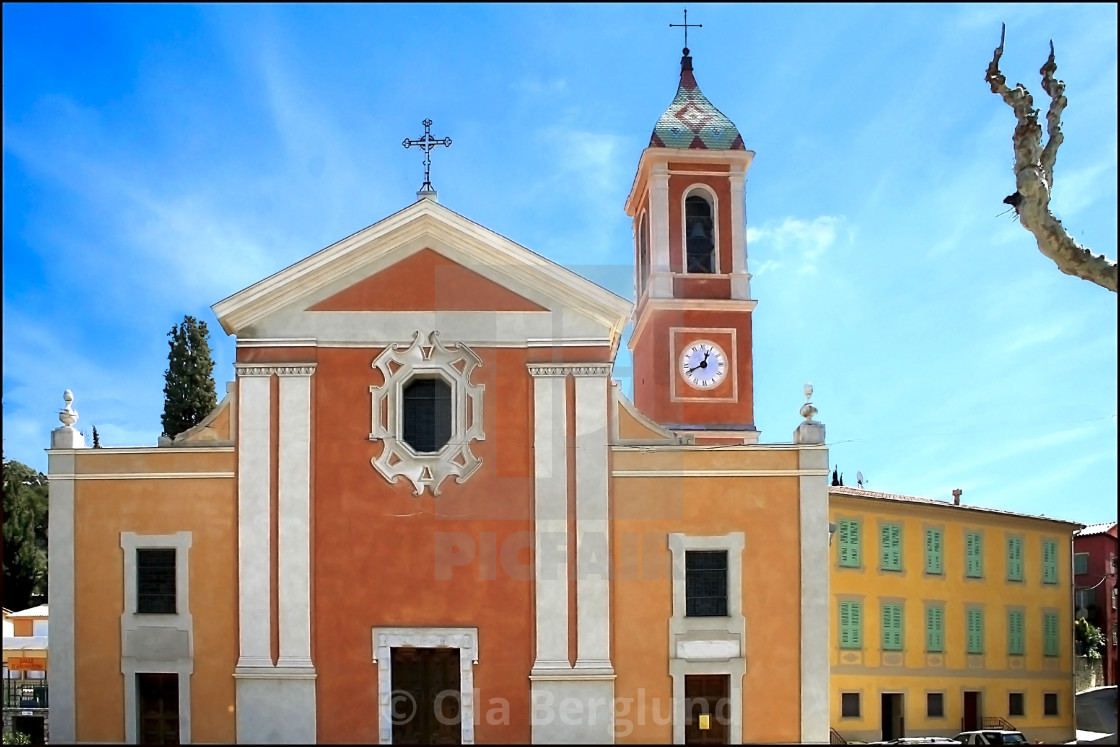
808,240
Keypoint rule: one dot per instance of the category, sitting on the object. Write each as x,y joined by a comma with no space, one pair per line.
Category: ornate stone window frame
386,639
708,645
400,364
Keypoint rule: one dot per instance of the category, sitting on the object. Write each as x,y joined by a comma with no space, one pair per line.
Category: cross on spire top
426,144
686,26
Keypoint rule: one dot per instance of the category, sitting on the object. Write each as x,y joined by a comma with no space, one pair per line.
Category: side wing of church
424,512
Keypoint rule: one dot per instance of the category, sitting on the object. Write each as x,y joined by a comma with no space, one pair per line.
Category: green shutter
933,551
975,630
850,625
934,630
1049,561
974,553
1015,633
890,547
849,543
892,627
1050,633
1014,559
1080,563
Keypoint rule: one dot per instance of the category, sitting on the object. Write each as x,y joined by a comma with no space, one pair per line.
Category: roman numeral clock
703,364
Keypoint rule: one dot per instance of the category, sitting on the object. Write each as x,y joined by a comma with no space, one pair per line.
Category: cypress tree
96,439
189,394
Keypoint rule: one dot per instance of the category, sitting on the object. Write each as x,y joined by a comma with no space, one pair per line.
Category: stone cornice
268,369
572,369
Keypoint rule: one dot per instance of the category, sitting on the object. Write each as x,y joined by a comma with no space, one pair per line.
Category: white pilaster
294,498
592,518
740,278
254,480
660,278
60,571
814,593
550,515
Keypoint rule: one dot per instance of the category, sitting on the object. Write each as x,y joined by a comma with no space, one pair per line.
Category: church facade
424,511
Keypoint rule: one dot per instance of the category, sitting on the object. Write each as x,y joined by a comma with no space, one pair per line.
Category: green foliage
1089,638
16,737
189,394
96,439
25,534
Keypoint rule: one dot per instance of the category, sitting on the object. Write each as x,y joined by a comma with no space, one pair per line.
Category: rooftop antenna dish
859,479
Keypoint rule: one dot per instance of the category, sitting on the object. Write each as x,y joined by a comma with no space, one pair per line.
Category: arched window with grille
699,231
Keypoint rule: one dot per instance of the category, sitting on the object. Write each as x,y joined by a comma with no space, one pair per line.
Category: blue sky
158,158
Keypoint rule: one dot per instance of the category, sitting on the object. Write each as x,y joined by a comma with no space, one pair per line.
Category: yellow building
947,617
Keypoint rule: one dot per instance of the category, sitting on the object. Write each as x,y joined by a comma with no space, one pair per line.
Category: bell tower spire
693,369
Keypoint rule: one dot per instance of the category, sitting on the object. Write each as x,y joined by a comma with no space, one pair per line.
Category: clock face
703,364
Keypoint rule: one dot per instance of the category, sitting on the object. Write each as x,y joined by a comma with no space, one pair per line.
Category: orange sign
26,663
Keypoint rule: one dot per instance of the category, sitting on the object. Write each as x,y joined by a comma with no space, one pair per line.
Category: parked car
920,740
992,736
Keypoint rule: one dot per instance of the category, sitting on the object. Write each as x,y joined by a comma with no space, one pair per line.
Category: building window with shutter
1049,561
849,537
851,625
849,705
705,583
1014,558
1049,633
155,581
1015,643
973,555
1080,563
935,705
974,629
1015,704
890,547
934,565
935,629
892,626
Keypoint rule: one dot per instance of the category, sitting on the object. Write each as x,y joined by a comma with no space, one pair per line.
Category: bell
697,231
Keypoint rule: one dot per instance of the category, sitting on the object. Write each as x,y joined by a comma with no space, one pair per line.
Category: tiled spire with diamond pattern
691,121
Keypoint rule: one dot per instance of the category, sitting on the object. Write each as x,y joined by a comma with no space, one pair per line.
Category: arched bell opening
699,235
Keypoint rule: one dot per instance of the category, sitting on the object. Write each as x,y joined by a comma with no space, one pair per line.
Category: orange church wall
646,510
375,546
103,509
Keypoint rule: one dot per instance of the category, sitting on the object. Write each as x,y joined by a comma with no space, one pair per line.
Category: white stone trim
660,281
550,516
685,392
146,450
254,507
708,645
386,639
399,364
653,304
678,473
294,525
146,646
60,569
592,486
147,475
815,570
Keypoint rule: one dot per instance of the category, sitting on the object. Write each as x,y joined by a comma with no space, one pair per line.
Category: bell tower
693,369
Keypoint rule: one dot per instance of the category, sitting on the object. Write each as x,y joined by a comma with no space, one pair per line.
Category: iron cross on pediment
426,144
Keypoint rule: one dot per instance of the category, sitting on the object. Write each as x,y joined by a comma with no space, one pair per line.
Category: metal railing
835,738
996,722
22,694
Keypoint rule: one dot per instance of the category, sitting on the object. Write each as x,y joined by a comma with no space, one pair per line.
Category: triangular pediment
426,281
428,266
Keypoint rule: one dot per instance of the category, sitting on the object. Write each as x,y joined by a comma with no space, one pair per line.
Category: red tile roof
1097,529
895,497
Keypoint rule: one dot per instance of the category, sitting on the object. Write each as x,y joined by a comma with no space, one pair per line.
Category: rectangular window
973,555
849,705
851,625
975,631
890,547
1080,563
933,552
892,627
935,632
1050,633
935,705
155,581
1015,705
1049,704
1015,633
1082,600
1114,597
1049,561
849,543
705,583
1014,558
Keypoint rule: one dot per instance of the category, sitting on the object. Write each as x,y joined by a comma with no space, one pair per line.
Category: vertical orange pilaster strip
570,462
273,515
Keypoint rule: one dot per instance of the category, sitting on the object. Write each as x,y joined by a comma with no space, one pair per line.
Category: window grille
706,583
427,415
155,581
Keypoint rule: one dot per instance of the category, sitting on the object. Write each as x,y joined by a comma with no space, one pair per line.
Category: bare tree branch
1034,173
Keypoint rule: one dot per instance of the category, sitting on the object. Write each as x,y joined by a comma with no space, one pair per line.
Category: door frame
386,639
